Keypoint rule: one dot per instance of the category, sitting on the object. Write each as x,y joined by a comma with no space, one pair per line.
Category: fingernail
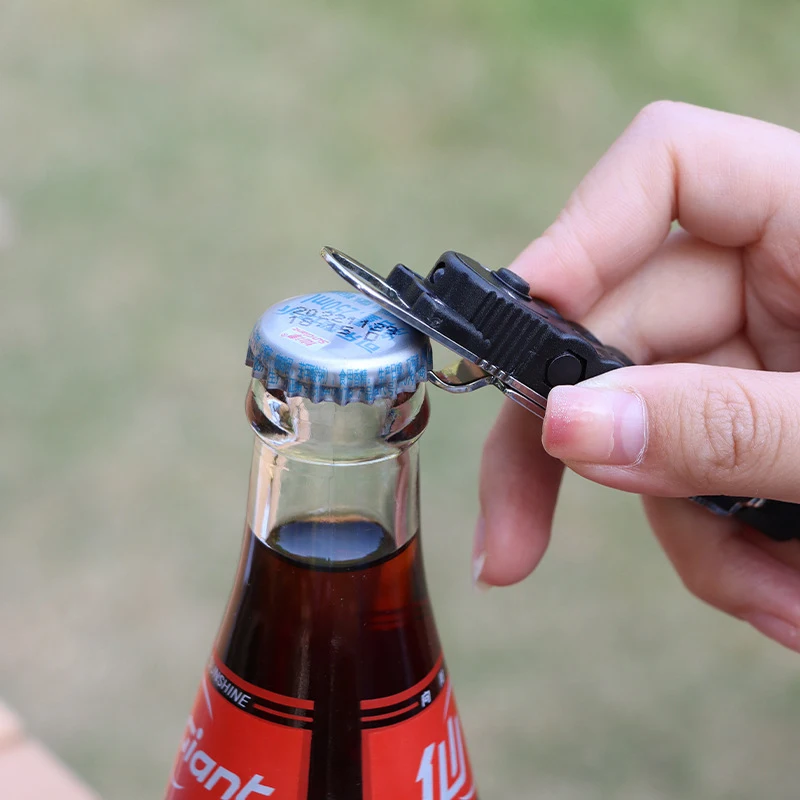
775,628
479,555
595,426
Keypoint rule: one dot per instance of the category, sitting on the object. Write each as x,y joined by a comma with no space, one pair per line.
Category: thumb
676,430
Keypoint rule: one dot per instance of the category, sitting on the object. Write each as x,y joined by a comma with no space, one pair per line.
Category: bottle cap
339,347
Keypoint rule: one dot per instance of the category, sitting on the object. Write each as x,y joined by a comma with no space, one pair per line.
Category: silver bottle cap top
339,347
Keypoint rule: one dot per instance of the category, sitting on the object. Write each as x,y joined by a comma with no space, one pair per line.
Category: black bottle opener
518,344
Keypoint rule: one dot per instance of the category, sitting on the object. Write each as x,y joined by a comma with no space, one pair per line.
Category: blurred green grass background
168,170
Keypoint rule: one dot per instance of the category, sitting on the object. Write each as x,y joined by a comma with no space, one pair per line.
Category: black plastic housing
491,314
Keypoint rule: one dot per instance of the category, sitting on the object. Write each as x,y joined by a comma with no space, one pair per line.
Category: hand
720,294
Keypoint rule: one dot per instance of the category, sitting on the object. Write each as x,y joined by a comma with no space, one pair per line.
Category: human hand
721,295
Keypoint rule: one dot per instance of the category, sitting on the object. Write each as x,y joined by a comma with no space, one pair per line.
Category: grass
171,170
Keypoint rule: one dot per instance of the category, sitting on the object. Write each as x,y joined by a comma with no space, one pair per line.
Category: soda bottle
326,680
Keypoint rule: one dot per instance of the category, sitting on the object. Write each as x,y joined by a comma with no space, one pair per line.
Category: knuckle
656,114
700,580
724,433
713,574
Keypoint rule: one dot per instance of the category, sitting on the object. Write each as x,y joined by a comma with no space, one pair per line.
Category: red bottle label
243,742
413,744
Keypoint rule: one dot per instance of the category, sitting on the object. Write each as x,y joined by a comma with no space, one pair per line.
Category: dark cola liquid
330,611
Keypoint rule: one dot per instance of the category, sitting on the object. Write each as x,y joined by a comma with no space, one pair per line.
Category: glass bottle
326,680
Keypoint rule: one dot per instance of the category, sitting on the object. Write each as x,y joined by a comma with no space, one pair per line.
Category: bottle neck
331,464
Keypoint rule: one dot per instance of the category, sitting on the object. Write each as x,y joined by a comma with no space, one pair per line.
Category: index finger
722,176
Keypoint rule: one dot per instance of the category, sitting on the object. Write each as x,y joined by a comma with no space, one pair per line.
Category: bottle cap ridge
339,347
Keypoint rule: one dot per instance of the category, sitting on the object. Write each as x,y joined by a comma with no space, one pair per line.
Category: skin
711,307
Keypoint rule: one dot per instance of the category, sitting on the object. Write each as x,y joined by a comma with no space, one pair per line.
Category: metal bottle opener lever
518,344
